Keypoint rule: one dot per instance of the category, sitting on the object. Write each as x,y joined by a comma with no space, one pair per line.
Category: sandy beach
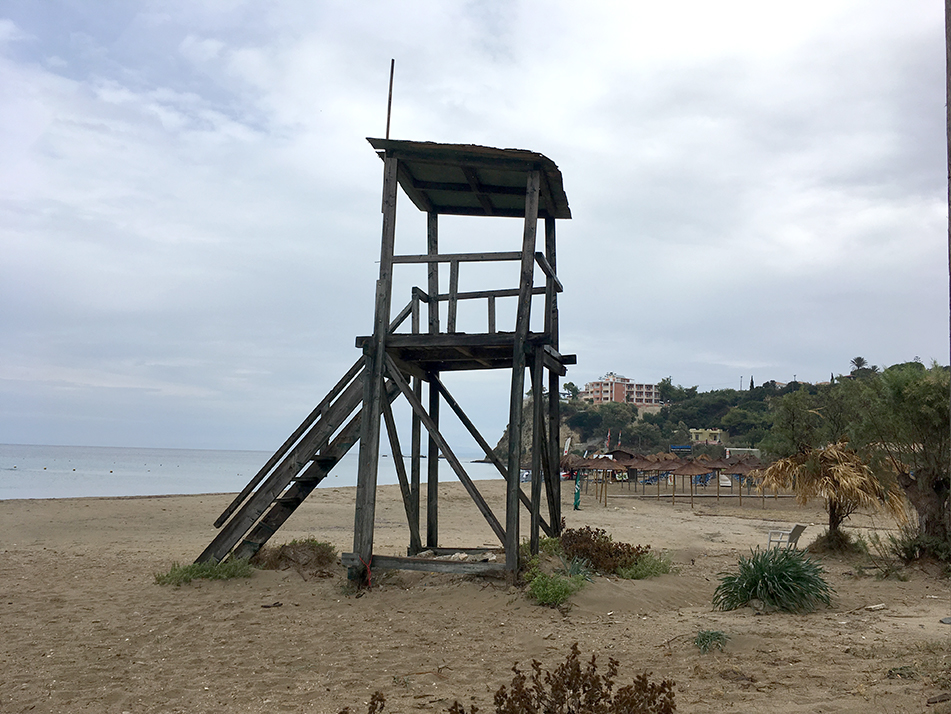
85,627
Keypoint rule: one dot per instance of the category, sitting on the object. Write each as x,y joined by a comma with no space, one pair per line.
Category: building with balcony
613,387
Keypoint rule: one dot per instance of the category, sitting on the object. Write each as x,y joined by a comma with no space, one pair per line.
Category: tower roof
470,180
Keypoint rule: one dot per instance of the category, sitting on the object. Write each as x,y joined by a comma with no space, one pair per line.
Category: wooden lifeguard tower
402,356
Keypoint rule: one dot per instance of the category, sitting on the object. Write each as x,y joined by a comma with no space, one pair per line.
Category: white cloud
189,203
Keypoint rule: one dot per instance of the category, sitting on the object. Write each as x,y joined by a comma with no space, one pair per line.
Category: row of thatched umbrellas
662,464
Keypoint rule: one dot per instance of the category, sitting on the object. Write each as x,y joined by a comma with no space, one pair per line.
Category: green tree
904,427
572,389
797,424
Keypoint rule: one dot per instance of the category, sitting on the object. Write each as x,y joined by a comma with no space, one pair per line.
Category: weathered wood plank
365,507
554,453
432,249
522,322
415,458
453,295
432,470
537,441
548,270
396,453
460,257
482,193
428,565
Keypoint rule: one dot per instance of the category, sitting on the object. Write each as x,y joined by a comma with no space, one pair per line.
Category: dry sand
85,628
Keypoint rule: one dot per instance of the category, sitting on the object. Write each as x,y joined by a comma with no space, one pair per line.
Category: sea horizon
30,471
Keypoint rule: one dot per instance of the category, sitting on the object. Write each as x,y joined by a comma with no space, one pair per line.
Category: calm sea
76,471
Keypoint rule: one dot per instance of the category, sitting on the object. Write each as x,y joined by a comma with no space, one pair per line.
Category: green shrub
550,546
782,579
837,542
601,552
649,565
910,545
225,570
707,640
553,590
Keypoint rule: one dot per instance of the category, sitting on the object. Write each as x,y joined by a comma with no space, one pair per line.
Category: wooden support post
415,459
432,248
432,475
453,295
365,509
491,318
415,544
432,453
522,324
554,388
537,445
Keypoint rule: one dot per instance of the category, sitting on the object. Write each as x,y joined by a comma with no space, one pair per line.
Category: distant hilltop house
706,436
615,388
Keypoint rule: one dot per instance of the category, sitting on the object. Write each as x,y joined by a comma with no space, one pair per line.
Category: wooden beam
432,249
483,196
415,458
451,458
537,441
396,453
495,256
522,323
365,508
428,565
548,269
453,299
408,184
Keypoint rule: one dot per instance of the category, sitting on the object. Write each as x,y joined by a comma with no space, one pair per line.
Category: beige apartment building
613,387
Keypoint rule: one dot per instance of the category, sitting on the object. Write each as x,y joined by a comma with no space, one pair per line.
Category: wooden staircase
289,476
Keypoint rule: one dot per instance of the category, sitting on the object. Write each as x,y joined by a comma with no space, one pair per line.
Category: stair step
325,461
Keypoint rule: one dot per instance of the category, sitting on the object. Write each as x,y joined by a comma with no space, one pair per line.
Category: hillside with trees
893,423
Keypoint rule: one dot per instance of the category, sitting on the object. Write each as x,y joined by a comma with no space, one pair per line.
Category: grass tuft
225,570
784,580
649,565
553,590
707,640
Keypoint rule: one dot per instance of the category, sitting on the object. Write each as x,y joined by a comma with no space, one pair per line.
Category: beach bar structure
408,353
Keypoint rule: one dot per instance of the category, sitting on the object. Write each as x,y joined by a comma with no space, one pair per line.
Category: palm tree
837,474
859,363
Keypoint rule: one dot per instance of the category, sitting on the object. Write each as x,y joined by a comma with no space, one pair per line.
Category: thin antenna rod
389,100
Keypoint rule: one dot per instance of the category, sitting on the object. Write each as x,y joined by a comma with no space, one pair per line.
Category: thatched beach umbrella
691,469
719,465
741,469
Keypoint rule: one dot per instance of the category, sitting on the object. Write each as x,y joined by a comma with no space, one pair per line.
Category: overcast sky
190,212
